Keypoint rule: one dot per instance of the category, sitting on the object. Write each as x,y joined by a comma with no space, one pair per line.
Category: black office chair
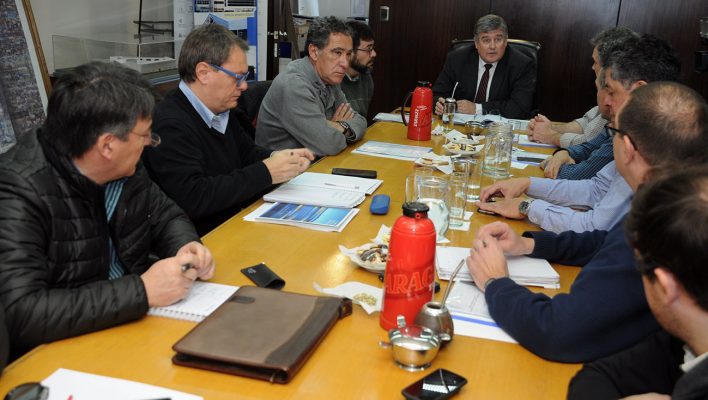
250,103
527,47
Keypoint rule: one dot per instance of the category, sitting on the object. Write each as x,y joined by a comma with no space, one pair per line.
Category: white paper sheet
253,217
523,270
391,150
525,141
65,383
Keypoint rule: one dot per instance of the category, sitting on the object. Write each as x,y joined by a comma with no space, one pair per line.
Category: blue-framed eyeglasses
239,78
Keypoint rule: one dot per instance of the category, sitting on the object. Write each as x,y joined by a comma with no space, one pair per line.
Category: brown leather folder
261,333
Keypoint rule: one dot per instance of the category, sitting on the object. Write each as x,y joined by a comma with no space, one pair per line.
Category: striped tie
481,96
112,194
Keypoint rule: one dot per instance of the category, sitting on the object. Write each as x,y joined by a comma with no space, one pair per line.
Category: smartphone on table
438,385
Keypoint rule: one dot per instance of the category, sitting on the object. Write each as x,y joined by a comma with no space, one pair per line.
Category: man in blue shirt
605,310
634,63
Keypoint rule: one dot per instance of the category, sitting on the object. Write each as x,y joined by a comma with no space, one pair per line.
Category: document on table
470,314
392,150
67,384
525,141
325,190
327,219
390,117
331,181
522,270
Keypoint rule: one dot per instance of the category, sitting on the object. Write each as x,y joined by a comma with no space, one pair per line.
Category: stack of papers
392,150
324,190
523,270
390,117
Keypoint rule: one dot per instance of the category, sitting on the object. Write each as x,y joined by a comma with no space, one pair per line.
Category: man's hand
164,281
508,208
551,166
510,242
486,260
541,130
466,107
509,188
286,164
439,106
205,262
344,113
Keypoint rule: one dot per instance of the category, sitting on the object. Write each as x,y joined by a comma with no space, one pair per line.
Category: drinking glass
457,197
433,191
448,116
473,167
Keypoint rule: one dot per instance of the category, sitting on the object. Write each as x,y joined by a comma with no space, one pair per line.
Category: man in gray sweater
305,106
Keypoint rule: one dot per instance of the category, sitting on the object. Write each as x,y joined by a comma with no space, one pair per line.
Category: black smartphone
438,385
491,200
530,159
359,173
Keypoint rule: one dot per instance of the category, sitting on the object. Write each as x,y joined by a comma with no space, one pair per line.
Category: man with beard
358,85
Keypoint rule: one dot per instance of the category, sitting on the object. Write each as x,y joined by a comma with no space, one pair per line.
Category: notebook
202,300
261,333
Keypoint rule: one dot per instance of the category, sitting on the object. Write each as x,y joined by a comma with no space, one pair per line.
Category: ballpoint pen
342,185
186,267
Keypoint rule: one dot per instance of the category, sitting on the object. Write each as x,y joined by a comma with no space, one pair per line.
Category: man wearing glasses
358,85
88,241
489,76
662,123
601,200
206,162
305,106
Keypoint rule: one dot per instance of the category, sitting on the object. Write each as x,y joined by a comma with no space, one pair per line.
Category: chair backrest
528,47
250,103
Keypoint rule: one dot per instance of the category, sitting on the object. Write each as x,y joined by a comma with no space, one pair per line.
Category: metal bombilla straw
452,281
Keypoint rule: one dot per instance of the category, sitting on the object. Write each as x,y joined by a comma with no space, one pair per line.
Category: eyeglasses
239,78
368,50
28,391
155,139
612,131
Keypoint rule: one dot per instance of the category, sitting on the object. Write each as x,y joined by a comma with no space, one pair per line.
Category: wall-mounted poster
22,89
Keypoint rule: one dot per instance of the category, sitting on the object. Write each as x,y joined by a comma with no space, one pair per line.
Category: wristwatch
348,133
524,207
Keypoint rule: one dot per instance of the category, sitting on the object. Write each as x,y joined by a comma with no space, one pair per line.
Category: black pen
185,268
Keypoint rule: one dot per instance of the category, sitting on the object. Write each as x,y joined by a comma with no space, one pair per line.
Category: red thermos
410,270
421,112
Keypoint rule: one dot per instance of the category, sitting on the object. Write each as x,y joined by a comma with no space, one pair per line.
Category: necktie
481,96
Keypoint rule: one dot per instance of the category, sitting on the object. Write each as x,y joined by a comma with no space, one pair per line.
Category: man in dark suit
490,76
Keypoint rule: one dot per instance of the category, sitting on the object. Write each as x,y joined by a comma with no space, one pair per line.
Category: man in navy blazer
510,81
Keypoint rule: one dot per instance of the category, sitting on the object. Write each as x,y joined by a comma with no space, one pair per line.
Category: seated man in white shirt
592,123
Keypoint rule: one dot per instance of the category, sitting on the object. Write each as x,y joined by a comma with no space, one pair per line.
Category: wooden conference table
348,364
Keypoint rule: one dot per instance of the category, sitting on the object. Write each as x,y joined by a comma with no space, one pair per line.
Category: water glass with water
448,115
497,150
433,191
457,197
473,167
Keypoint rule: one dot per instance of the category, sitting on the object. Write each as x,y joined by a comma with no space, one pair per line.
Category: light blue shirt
607,195
216,121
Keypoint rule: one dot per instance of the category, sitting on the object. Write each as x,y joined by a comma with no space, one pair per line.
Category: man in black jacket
668,228
490,76
87,240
